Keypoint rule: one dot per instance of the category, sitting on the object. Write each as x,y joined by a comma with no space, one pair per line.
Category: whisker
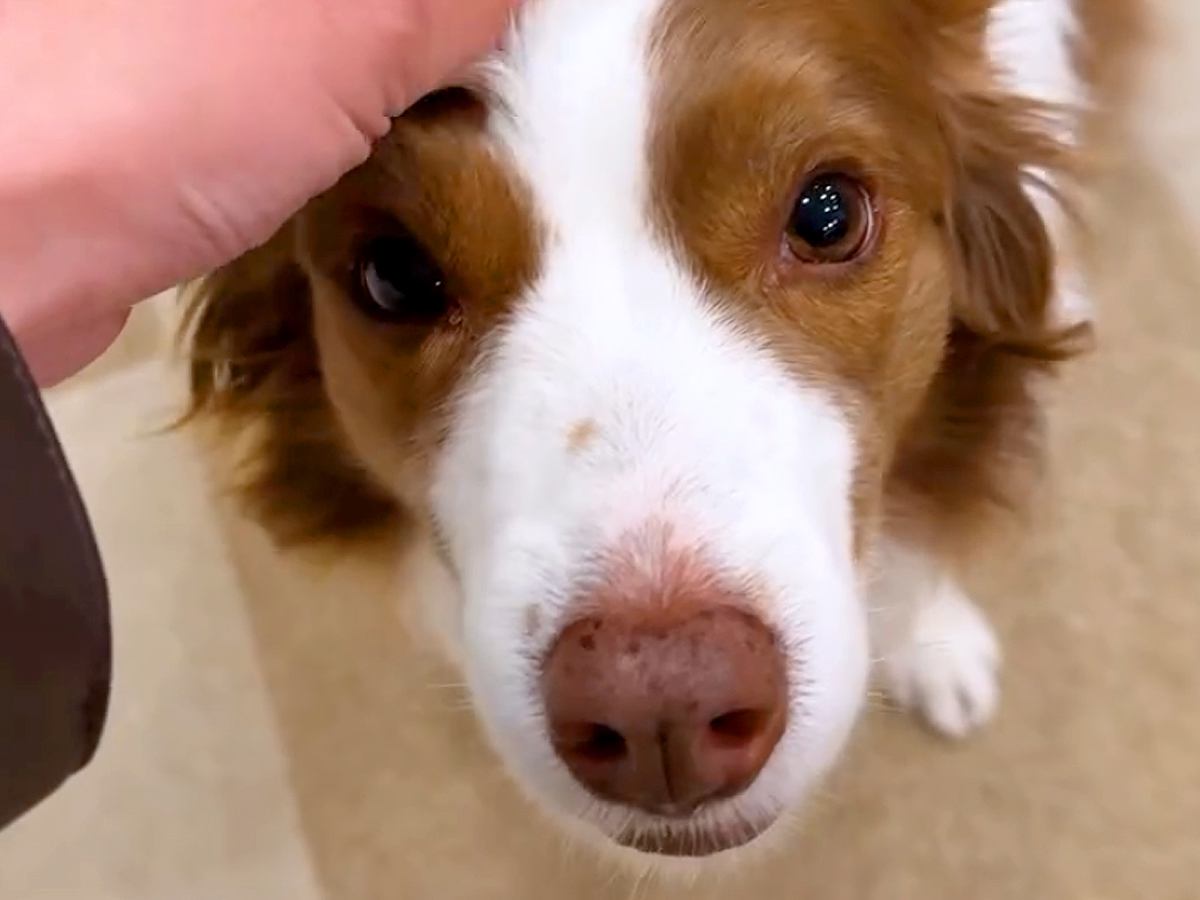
642,880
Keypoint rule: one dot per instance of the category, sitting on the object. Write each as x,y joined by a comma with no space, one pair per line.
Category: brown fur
254,369
1108,49
343,413
935,340
934,343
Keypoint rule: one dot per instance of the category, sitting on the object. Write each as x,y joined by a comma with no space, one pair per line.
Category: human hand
144,142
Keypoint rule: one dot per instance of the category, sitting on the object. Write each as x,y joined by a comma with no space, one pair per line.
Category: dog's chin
682,842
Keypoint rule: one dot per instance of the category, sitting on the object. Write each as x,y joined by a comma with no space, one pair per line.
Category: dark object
832,221
55,643
399,282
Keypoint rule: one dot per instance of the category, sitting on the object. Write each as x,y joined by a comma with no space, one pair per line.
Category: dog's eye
399,282
832,221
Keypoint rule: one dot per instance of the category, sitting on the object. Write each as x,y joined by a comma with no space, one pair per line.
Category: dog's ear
247,336
1011,164
255,375
977,445
1003,154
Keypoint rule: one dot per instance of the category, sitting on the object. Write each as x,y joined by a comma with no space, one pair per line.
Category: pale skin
145,142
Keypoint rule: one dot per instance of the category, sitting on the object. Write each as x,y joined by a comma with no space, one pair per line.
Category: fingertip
61,353
471,29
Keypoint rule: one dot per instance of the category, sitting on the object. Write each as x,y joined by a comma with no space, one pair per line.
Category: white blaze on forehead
692,420
615,330
575,98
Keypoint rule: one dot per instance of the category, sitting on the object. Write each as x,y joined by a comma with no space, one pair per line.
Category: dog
695,344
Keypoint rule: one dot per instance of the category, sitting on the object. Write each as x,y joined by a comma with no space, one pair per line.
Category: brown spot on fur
582,434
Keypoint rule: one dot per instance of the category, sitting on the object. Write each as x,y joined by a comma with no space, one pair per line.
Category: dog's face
644,332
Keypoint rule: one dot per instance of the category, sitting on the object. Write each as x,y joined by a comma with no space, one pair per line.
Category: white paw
948,668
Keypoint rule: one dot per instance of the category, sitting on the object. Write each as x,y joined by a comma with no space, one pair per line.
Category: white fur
937,653
1031,42
695,424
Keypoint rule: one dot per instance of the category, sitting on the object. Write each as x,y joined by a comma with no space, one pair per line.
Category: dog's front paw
947,670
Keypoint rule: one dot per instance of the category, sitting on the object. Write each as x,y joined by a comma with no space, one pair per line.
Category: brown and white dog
690,343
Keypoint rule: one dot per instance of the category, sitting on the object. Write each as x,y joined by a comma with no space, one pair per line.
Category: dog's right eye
398,281
832,222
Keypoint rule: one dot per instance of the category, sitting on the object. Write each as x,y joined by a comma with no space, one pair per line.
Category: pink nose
664,716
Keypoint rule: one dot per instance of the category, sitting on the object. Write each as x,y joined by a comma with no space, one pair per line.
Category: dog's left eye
398,281
832,221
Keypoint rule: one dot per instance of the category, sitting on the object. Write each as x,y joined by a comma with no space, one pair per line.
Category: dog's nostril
596,743
691,716
740,725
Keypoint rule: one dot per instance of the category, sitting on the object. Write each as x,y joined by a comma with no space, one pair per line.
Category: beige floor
275,735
